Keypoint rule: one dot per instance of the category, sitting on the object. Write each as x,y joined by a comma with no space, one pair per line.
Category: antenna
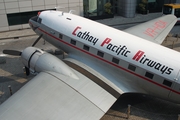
71,11
58,7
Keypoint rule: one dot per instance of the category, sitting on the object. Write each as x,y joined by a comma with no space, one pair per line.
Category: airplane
102,64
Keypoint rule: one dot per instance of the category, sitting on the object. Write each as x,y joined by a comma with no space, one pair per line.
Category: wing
155,30
53,96
111,81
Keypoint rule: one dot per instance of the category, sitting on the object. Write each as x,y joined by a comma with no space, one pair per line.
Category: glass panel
177,12
92,7
167,10
97,9
100,7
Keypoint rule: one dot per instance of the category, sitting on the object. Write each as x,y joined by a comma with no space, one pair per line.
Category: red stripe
110,63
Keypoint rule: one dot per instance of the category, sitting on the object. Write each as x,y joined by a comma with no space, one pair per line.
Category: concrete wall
17,6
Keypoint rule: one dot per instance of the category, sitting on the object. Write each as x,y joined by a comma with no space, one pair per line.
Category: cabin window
115,60
85,47
131,67
149,75
99,53
167,83
73,42
60,36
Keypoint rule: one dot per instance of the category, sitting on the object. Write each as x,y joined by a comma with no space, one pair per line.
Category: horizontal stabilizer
155,30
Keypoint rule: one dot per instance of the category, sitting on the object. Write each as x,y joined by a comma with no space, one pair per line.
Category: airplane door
175,91
42,27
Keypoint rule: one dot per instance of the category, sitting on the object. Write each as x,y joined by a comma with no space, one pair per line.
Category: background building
98,9
14,14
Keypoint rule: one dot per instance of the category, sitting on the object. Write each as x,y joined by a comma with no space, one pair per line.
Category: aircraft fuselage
150,67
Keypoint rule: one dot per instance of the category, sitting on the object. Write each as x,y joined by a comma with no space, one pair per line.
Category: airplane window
73,42
149,75
131,67
99,53
86,47
115,60
167,83
60,36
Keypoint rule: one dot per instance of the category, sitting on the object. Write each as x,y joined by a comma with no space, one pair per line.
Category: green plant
144,1
143,5
107,8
